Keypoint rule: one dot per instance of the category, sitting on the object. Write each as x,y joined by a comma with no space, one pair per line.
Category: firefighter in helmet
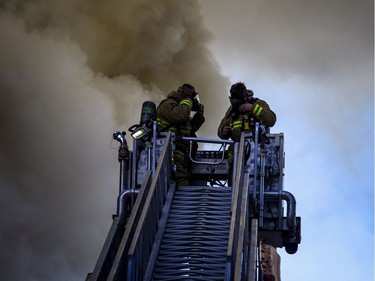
173,114
243,111
244,106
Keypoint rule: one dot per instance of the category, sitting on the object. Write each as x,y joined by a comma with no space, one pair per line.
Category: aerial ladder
208,230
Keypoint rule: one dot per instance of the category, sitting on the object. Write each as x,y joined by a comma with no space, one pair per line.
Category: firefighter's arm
261,111
224,130
198,119
178,113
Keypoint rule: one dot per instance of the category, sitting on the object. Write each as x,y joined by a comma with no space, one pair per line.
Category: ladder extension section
195,240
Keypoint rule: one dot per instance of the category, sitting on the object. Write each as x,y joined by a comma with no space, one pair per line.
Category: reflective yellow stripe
257,110
179,154
185,132
187,102
164,124
236,124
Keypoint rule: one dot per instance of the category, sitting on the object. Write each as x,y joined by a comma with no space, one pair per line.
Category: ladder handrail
223,143
239,204
146,193
145,232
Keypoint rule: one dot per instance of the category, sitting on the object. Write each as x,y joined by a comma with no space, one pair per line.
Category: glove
201,109
226,130
246,107
196,105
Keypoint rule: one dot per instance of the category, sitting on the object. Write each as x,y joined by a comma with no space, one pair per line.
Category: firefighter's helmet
239,95
187,90
237,90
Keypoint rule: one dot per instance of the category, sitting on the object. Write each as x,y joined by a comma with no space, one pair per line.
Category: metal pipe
123,158
291,206
124,193
121,202
123,171
262,173
234,162
149,148
120,137
261,188
134,164
255,165
207,140
154,147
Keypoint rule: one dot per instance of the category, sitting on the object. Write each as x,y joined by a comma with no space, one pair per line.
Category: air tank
148,111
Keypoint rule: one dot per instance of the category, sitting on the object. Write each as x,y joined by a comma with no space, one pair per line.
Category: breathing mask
235,103
239,95
196,103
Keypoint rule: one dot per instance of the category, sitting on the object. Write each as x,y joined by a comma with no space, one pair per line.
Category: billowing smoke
72,72
313,61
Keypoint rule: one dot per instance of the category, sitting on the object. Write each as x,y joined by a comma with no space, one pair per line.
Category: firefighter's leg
182,177
230,168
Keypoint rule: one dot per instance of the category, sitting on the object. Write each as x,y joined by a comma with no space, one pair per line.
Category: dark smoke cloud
72,72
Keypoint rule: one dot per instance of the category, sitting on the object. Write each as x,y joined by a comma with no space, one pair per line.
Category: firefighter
243,111
244,108
173,114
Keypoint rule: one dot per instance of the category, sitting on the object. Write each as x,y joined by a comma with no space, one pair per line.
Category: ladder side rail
115,234
154,133
234,168
106,257
120,259
255,176
118,270
239,167
260,132
229,257
253,244
242,251
145,233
